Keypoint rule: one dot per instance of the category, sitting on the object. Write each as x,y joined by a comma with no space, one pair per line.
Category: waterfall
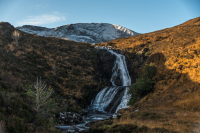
111,99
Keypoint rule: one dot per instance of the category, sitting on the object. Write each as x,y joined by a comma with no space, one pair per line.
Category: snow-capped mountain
82,32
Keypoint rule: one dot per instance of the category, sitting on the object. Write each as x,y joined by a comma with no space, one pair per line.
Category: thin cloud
41,19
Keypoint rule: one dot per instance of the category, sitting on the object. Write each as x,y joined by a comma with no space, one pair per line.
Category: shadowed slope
68,67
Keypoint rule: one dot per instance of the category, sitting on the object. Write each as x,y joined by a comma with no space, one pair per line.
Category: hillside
70,68
175,97
76,71
82,32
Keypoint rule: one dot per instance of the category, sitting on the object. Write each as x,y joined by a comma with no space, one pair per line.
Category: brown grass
172,119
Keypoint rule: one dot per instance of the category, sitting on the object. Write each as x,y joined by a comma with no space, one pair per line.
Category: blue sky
142,16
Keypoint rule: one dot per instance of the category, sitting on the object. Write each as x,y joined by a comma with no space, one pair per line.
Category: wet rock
111,108
105,65
80,130
136,110
83,112
78,116
71,131
99,112
115,116
68,114
118,82
69,118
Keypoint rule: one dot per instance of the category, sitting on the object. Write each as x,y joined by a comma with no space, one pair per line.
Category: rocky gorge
111,98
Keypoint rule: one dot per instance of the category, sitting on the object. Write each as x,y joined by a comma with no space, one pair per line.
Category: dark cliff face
105,65
135,61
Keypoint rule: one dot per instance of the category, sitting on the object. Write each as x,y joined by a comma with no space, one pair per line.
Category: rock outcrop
70,118
105,65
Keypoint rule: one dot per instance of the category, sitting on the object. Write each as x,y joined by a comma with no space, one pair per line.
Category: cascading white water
120,65
105,96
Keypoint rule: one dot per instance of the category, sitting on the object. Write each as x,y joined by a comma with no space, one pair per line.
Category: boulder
119,116
78,116
68,114
80,130
77,121
62,116
83,112
99,112
68,117
115,116
118,82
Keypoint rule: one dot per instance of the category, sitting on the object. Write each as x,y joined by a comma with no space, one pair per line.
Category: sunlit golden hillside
176,53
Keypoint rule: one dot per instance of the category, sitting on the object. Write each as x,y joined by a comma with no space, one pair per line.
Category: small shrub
18,88
141,87
2,110
132,100
147,53
1,89
72,86
150,71
16,36
3,85
1,116
108,122
150,46
127,128
144,84
97,130
40,93
149,115
15,125
142,129
59,80
161,130
24,95
63,73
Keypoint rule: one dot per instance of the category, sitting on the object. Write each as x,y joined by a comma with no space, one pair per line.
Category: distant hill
82,32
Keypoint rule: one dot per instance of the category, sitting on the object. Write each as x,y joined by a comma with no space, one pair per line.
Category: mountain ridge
82,32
